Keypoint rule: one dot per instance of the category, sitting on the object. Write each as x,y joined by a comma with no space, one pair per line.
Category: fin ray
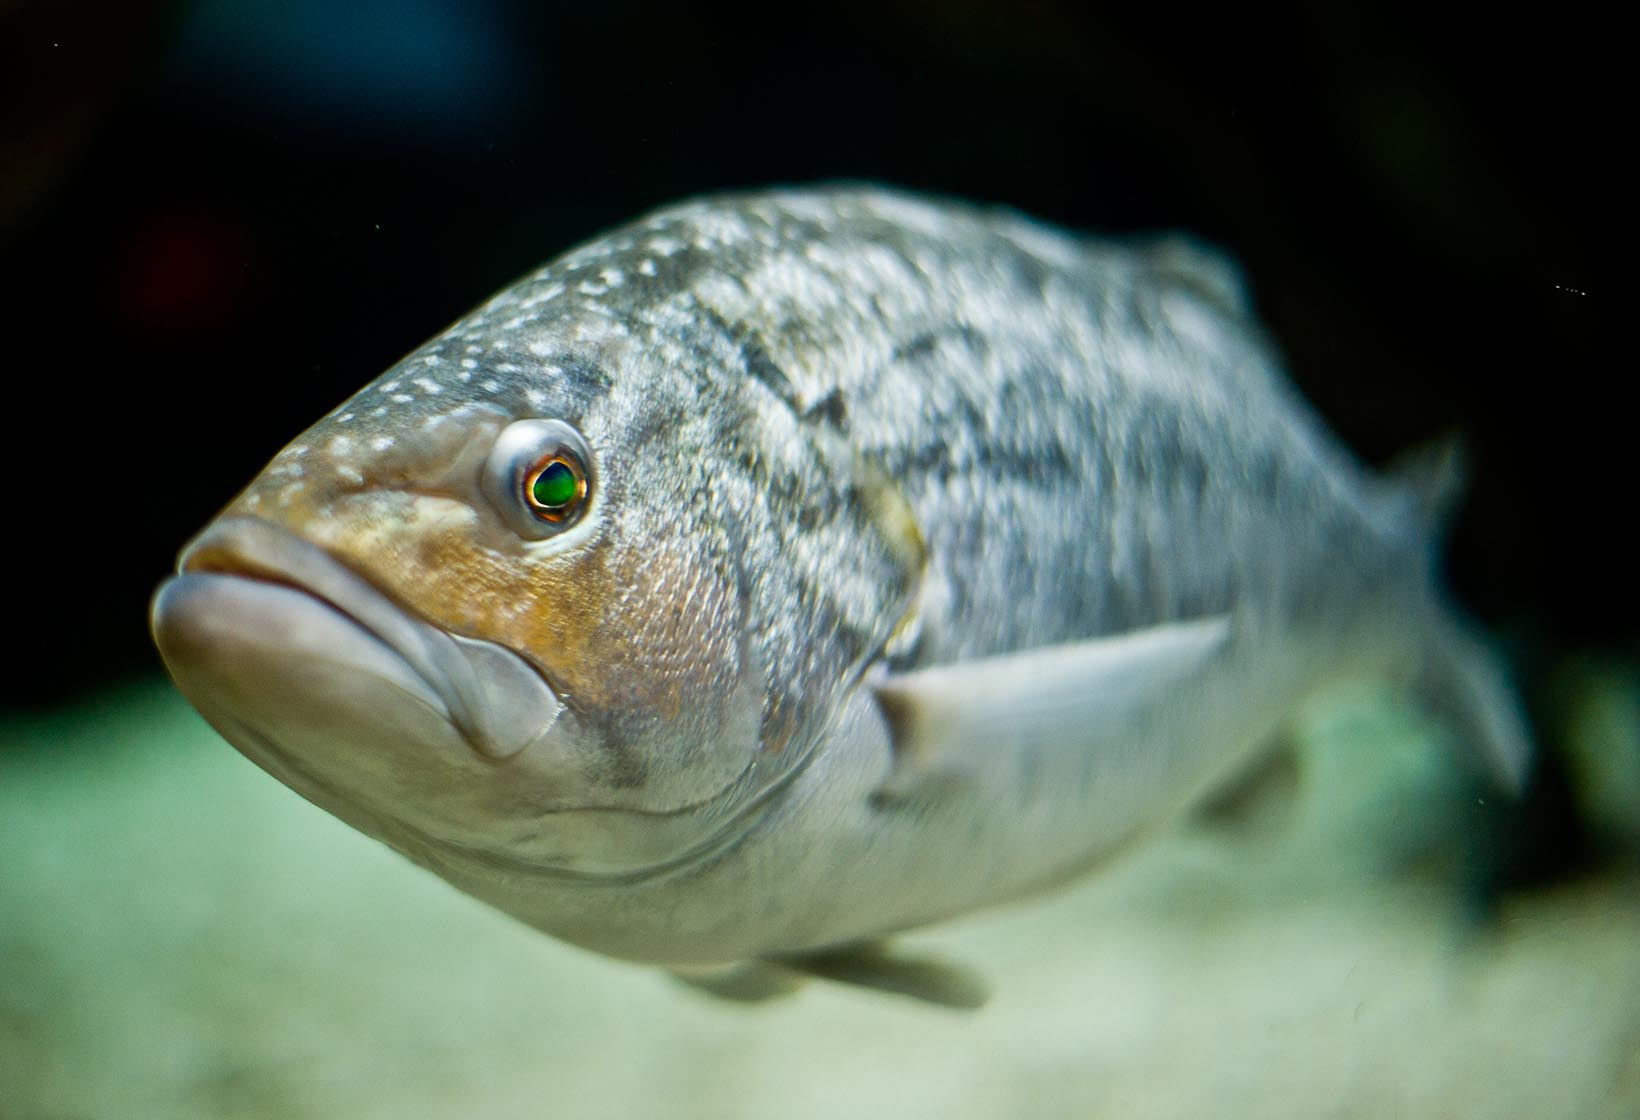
948,718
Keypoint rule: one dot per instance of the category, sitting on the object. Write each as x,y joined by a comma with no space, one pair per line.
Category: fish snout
249,591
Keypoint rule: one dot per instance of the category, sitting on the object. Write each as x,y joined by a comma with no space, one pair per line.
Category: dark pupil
555,486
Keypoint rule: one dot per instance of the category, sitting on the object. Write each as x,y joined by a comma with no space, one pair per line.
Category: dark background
218,219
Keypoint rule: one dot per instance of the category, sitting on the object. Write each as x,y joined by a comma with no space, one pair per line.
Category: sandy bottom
182,937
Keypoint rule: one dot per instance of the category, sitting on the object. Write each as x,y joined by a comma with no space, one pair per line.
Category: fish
793,568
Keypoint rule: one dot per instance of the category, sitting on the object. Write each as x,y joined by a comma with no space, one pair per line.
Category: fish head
492,611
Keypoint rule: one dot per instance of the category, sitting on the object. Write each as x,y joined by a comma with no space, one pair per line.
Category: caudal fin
1465,683
1461,676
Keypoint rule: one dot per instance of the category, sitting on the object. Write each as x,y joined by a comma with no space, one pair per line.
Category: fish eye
556,487
539,476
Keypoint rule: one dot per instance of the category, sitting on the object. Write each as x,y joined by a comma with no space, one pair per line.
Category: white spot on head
544,295
646,267
402,398
345,418
540,348
381,443
470,363
389,386
490,386
429,386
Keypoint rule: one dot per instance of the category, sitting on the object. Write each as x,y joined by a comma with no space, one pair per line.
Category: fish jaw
288,680
496,702
311,672
450,749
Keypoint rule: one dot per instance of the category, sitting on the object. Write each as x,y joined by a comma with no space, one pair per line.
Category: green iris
556,486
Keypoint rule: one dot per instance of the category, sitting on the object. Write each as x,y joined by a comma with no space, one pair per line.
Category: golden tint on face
633,629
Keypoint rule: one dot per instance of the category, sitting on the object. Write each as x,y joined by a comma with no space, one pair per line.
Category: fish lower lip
495,699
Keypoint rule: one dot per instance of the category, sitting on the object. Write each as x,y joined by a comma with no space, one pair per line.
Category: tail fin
1464,682
1461,677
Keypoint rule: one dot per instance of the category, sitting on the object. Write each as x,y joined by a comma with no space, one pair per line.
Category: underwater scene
945,561
185,938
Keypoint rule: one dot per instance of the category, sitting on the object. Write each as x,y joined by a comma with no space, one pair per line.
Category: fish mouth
497,702
379,716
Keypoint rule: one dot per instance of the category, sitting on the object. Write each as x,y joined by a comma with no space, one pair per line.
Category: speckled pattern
1089,437
834,434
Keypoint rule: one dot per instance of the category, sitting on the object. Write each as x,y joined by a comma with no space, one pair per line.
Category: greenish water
182,937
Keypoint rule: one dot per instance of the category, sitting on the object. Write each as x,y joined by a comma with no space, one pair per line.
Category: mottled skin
842,435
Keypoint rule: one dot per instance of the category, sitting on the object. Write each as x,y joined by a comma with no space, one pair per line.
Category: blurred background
219,218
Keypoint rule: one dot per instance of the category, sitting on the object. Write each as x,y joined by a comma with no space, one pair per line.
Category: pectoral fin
954,719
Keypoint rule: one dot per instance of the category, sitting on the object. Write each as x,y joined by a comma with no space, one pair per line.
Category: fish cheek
667,682
640,637
642,640
549,611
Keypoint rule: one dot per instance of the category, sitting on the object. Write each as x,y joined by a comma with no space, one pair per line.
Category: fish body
788,569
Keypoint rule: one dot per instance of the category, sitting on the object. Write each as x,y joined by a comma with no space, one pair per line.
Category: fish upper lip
496,700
